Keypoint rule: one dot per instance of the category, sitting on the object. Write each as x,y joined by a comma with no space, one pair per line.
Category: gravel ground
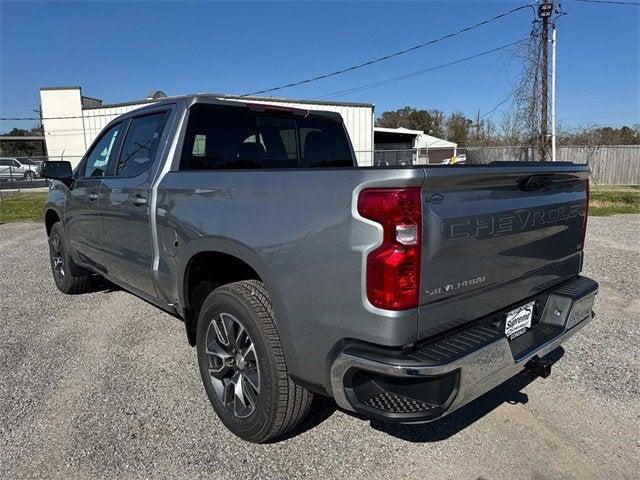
103,385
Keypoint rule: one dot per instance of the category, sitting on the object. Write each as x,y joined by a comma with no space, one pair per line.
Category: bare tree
527,93
511,129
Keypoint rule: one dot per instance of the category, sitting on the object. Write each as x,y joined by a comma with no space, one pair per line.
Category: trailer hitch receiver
539,367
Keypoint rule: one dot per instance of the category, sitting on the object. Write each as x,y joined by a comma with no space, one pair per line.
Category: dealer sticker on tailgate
519,320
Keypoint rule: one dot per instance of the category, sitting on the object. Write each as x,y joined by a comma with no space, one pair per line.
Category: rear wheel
69,277
242,364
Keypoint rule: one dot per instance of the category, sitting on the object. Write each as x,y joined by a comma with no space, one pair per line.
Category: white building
404,146
72,121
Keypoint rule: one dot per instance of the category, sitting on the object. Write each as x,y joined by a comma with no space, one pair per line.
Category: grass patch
16,206
611,202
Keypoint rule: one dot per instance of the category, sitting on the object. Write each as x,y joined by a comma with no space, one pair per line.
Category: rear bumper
433,379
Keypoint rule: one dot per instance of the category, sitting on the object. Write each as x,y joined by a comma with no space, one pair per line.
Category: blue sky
119,51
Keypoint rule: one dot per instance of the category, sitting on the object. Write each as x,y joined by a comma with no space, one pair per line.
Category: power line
391,55
330,95
611,2
319,77
20,118
417,72
496,107
64,118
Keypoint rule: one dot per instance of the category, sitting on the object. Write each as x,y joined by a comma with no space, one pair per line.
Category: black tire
29,175
279,404
68,277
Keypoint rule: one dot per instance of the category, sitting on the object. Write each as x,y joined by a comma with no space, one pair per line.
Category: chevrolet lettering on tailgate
515,221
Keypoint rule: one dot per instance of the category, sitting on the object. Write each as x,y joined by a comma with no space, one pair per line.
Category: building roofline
399,131
61,88
125,104
439,142
237,98
432,142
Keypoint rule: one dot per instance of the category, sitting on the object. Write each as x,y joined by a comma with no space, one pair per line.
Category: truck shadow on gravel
508,392
100,284
323,408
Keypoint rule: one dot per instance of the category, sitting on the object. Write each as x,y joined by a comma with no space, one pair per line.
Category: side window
140,145
199,143
324,144
278,136
16,164
234,138
98,158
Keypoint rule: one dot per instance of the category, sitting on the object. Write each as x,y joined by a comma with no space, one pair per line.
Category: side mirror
56,170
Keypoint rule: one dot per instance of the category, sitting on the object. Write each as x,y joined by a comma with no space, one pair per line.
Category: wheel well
205,272
50,218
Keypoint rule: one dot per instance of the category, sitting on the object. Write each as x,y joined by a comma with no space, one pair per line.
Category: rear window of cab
219,138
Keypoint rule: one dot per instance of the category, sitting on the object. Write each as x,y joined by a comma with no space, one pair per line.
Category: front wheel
242,364
69,277
29,175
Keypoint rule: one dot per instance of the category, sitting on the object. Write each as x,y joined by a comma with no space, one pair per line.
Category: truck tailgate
496,235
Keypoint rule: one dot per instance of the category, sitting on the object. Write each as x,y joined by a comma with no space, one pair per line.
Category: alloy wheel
233,364
57,257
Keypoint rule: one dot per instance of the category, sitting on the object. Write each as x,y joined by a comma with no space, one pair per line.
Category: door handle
138,200
92,196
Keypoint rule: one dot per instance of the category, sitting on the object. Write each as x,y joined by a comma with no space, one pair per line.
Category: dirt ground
103,385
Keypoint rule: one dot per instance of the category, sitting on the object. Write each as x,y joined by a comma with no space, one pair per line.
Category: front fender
56,202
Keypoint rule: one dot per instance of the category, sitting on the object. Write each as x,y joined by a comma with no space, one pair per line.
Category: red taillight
393,269
586,214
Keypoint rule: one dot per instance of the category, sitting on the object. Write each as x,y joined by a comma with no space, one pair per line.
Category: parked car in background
18,169
459,159
35,164
402,292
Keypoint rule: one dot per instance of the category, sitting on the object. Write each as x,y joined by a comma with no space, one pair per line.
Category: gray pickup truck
402,293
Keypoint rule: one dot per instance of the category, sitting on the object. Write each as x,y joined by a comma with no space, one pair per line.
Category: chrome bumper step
435,377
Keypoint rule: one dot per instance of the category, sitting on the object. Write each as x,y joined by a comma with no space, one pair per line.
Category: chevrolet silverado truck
402,293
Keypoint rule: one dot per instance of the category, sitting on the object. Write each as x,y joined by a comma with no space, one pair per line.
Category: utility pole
553,93
545,9
39,112
478,125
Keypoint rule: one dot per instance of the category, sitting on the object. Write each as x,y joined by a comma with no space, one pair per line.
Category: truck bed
301,231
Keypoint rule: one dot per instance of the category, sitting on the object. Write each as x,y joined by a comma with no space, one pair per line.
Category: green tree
429,121
596,135
458,127
23,149
23,132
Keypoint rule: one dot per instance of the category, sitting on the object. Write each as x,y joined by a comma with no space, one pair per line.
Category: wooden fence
617,165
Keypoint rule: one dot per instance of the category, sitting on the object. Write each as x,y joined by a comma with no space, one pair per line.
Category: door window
323,144
231,138
98,158
140,145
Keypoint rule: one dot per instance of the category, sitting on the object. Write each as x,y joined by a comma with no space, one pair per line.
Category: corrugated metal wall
357,119
610,164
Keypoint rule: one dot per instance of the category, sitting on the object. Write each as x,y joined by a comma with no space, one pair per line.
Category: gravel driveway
103,385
